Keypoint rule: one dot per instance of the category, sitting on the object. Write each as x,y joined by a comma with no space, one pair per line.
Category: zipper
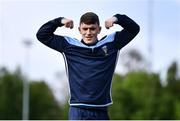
92,50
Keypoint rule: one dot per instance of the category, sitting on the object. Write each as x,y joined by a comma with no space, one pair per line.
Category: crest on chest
105,50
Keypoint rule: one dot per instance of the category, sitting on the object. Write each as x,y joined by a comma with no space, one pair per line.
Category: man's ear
79,29
99,29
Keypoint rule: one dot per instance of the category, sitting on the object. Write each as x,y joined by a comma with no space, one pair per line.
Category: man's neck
89,44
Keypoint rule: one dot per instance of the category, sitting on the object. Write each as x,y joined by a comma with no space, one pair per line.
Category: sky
21,19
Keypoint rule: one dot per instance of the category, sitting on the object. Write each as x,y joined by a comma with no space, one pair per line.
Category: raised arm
130,29
46,33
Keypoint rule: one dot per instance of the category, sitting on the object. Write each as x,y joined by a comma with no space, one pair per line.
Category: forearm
46,35
46,31
128,24
130,30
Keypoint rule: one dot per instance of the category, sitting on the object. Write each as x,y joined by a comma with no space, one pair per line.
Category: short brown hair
89,18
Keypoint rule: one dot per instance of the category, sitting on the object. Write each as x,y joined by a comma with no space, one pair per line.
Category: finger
68,25
72,25
108,25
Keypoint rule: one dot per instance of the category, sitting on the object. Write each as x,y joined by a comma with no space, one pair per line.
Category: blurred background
33,82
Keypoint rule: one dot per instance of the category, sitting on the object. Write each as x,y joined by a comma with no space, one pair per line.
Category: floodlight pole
25,107
150,35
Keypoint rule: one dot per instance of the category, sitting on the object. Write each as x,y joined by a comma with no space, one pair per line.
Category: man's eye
85,29
92,29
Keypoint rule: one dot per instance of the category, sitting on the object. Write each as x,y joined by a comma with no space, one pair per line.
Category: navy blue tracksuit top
89,68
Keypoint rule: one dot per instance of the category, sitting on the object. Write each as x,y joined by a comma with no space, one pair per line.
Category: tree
133,60
121,98
43,105
11,94
172,90
123,104
135,96
172,73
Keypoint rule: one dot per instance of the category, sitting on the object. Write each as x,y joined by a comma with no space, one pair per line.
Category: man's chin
89,41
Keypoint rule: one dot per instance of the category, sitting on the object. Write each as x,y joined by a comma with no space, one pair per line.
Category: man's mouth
89,37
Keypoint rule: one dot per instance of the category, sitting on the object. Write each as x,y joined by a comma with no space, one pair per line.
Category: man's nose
88,31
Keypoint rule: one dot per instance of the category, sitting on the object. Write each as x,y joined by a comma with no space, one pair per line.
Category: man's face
89,32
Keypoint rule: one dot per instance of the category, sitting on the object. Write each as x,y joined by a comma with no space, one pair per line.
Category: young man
90,63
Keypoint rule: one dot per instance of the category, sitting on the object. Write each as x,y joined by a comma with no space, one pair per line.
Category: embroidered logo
104,48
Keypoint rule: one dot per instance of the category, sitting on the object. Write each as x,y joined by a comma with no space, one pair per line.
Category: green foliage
11,95
139,95
172,73
65,111
136,94
43,106
165,108
121,98
177,109
42,102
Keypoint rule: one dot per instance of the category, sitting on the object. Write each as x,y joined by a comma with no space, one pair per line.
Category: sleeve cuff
59,21
118,18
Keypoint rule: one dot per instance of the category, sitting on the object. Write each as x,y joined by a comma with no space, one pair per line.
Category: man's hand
109,22
68,23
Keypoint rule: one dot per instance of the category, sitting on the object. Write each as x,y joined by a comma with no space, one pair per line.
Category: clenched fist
68,23
109,22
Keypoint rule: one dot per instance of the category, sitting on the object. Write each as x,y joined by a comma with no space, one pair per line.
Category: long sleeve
130,30
46,35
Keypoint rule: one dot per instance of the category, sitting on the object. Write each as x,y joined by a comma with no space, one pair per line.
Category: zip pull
92,50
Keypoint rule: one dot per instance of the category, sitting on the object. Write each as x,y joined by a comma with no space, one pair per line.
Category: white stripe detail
66,65
76,42
67,73
90,105
117,57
